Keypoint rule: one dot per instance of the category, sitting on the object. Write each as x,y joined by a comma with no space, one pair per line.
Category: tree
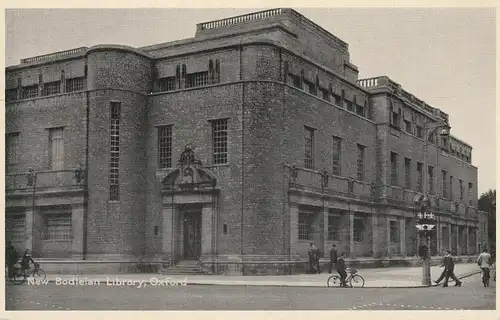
487,203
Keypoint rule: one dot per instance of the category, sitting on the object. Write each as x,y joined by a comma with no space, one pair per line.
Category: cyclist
25,262
341,269
484,262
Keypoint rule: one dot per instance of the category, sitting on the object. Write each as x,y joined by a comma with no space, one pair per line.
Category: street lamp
444,131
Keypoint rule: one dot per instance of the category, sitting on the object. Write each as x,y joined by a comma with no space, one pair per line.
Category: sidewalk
374,278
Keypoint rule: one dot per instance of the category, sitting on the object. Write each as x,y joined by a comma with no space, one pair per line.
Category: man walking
333,257
484,262
449,266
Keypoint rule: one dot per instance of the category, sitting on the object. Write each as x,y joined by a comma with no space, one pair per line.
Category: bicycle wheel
39,275
18,277
333,281
357,281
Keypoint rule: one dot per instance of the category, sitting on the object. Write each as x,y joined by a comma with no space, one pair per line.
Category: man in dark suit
333,257
449,266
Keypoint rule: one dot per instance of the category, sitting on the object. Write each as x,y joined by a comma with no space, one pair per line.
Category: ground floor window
394,231
359,228
334,227
15,227
306,218
57,226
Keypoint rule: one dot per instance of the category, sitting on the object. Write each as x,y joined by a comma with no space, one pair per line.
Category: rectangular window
394,169
51,88
420,176
12,151
57,226
360,110
444,175
309,87
420,132
337,156
430,175
114,163
30,92
348,105
219,141
337,100
451,187
308,148
294,80
11,95
197,79
334,228
360,162
408,173
461,185
56,146
432,138
469,193
306,219
395,119
74,84
359,229
165,147
394,231
326,94
166,84
15,227
408,127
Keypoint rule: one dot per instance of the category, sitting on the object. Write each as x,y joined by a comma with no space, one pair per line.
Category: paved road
471,296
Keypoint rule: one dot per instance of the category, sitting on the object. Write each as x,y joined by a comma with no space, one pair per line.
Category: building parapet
384,82
55,55
318,182
261,15
45,180
268,14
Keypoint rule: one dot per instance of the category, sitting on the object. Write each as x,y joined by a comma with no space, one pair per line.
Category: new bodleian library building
236,148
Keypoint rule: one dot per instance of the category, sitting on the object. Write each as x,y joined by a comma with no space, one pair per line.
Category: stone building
244,143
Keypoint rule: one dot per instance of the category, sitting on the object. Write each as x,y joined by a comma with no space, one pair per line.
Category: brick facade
269,74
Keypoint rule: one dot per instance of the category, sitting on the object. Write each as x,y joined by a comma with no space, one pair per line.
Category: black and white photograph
277,158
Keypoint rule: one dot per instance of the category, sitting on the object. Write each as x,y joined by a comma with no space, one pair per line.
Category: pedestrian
443,274
341,269
484,262
311,252
317,256
11,257
333,257
449,266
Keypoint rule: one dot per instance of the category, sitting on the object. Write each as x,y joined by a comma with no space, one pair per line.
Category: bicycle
20,277
485,276
353,279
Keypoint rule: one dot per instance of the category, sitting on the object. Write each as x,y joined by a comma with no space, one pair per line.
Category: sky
444,56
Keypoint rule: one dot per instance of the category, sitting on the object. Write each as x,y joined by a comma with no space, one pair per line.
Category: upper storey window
11,95
166,84
30,92
51,88
197,79
294,80
75,84
309,148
